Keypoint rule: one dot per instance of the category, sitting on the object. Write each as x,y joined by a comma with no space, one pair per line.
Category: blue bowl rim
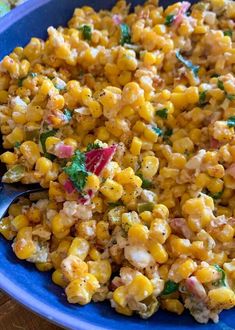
35,305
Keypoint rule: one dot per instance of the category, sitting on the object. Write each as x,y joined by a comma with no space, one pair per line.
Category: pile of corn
156,88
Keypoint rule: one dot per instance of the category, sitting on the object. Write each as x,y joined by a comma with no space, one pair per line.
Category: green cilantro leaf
222,281
231,121
17,144
188,64
125,34
77,170
231,97
215,75
168,132
92,146
220,85
163,113
146,184
217,195
170,287
157,130
68,114
20,82
202,98
228,33
33,74
169,19
86,31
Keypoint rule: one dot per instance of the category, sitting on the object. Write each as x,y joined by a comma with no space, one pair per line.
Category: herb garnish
202,98
231,121
169,19
92,146
68,114
146,184
170,287
163,113
42,138
157,130
223,276
228,33
188,64
77,170
125,34
86,31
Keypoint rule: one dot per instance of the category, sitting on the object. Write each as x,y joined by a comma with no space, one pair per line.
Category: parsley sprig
77,170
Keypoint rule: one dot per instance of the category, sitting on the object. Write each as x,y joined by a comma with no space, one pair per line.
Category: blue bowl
21,280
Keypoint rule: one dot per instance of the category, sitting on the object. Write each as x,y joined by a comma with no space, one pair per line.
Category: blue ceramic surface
20,279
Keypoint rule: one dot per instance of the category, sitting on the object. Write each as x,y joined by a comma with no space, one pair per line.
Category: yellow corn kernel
136,145
157,251
95,109
183,145
120,296
146,216
149,58
79,248
43,165
150,134
102,232
51,141
140,288
146,111
34,214
5,228
19,222
127,176
160,211
30,151
124,310
86,229
225,234
187,268
94,254
44,266
15,209
215,185
59,226
177,161
34,113
92,183
179,246
163,271
198,250
139,127
206,274
81,290
149,167
138,234
102,133
159,230
101,269
73,267
58,278
192,95
8,158
23,246
112,190
17,135
3,96
129,219
216,171
222,298
173,305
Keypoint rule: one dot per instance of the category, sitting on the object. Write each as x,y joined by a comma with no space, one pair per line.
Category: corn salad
127,119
